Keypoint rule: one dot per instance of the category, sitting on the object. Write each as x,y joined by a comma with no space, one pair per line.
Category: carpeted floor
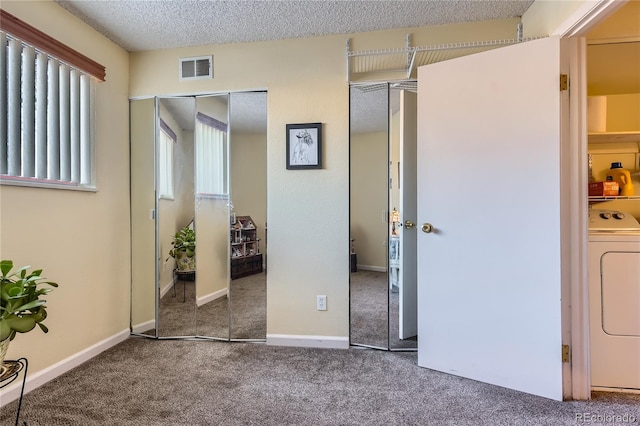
183,382
374,312
179,315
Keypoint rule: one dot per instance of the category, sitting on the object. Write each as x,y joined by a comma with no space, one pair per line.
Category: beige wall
80,239
249,180
369,198
308,210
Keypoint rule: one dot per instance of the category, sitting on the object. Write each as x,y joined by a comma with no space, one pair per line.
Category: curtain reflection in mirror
212,216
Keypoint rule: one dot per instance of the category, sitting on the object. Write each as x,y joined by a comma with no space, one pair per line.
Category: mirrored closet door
383,296
248,232
212,215
184,171
175,214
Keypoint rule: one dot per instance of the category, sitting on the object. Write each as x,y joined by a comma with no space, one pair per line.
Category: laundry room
613,110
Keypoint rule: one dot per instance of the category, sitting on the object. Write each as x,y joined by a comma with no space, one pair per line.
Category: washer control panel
612,220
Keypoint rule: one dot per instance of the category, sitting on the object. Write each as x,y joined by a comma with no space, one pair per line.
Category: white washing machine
614,300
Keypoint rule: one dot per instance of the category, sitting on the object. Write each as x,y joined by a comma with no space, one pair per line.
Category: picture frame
304,146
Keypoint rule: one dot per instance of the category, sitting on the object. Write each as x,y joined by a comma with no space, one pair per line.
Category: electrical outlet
321,302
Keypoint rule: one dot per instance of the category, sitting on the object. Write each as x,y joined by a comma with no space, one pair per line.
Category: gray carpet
374,312
184,382
179,315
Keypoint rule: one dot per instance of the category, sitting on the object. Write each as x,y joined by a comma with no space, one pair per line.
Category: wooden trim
36,38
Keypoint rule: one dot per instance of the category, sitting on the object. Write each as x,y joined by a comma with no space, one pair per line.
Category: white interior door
489,275
408,293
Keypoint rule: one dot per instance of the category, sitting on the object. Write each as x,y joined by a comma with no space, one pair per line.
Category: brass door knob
409,225
427,228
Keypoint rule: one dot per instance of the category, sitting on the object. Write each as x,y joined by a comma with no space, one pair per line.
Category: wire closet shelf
406,59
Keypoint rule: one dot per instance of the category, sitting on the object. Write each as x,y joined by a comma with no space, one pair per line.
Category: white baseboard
142,327
620,390
168,287
211,297
35,380
331,342
372,268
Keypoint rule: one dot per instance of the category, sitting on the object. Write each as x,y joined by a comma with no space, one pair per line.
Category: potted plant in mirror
184,249
22,306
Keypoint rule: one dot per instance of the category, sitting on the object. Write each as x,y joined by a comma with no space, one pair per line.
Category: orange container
623,177
604,189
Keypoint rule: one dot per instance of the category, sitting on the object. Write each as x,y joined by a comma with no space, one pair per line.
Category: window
166,142
211,156
46,133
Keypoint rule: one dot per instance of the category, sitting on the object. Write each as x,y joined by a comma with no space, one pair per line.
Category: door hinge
566,353
564,82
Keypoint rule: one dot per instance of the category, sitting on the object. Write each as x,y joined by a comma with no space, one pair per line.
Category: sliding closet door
182,178
382,198
212,212
369,217
143,229
248,197
174,212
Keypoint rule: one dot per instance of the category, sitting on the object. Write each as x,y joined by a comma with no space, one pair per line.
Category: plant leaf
31,305
6,266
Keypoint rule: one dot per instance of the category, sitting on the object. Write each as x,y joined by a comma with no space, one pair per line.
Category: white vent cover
196,68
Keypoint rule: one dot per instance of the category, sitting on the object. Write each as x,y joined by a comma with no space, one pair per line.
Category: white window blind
211,156
46,127
166,141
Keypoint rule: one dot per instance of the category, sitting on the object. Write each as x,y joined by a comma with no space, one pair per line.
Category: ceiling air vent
196,68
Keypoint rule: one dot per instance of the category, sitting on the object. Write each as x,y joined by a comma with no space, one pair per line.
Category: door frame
574,220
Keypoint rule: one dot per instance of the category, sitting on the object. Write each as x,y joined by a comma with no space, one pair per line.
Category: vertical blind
211,156
167,139
46,135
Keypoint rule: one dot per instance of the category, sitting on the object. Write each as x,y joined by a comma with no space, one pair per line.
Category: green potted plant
184,249
22,306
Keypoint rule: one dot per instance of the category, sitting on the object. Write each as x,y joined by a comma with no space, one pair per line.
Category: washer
614,300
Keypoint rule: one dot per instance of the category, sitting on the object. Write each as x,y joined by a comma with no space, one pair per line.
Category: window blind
211,156
167,139
46,135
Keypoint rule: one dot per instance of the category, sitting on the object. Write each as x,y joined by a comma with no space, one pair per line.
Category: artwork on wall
304,146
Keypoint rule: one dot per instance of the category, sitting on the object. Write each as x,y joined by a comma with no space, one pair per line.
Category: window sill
205,195
48,184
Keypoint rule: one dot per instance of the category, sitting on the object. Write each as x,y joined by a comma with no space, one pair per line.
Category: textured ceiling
146,25
138,25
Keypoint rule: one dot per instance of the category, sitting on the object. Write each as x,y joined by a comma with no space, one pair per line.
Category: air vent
196,68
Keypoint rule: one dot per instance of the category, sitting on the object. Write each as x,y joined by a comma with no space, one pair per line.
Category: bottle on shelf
623,177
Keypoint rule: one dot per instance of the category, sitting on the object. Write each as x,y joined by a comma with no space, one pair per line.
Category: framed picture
304,146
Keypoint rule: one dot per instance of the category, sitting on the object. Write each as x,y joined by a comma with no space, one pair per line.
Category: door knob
409,225
427,228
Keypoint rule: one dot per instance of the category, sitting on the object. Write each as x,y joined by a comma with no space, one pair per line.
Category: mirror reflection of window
165,161
211,148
